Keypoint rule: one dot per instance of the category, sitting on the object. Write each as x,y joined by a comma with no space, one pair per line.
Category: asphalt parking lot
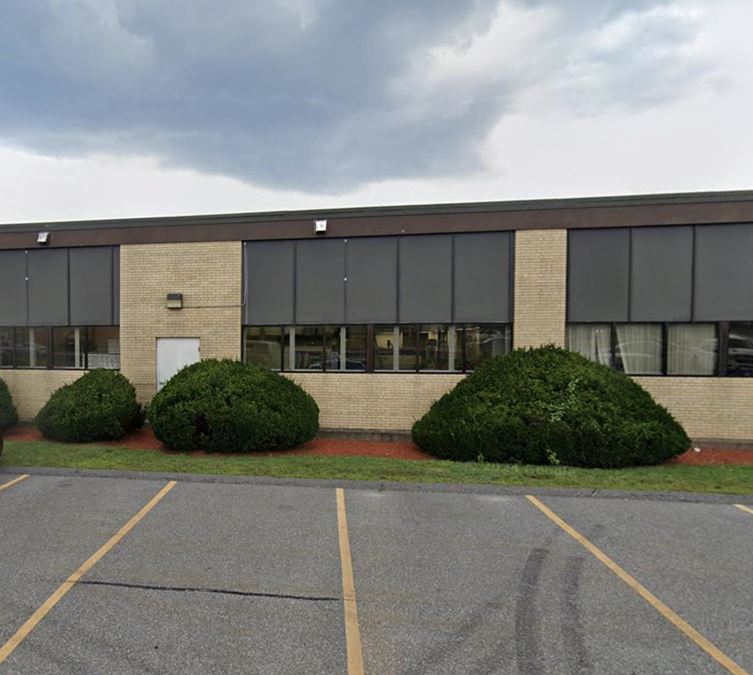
131,575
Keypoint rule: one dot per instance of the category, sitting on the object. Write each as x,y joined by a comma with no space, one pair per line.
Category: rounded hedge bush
100,405
8,414
550,406
228,406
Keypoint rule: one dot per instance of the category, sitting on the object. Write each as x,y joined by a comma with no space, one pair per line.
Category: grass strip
726,479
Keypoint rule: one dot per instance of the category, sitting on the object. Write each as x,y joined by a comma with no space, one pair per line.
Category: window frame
460,346
51,355
722,337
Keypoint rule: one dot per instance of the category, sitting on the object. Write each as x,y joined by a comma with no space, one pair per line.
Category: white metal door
174,354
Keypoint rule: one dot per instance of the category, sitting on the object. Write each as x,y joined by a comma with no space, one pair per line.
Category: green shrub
100,405
228,406
550,406
8,414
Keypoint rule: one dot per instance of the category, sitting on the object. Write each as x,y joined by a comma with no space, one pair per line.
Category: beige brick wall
209,277
31,389
540,287
373,401
708,408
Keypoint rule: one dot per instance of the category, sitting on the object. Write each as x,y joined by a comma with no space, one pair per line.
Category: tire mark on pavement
527,642
571,626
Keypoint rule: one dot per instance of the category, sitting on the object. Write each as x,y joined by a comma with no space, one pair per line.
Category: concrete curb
395,486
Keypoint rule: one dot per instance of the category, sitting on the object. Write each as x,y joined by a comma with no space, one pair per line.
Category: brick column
208,275
540,287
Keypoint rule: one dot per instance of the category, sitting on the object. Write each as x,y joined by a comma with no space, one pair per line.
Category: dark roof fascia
381,211
579,212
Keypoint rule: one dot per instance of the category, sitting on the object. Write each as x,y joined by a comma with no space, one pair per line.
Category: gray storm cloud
314,95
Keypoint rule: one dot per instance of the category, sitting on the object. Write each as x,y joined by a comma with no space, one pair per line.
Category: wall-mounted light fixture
43,238
320,227
174,301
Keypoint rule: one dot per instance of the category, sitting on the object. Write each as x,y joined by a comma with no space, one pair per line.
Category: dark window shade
48,287
597,275
269,276
661,274
116,285
371,287
91,286
13,288
320,285
482,277
724,273
426,279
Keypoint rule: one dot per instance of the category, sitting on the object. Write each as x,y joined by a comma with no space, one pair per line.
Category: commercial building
379,311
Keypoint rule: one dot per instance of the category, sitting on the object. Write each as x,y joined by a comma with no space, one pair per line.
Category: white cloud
653,99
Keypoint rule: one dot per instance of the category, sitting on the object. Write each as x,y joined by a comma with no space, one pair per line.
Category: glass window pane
307,343
740,350
434,347
32,347
334,342
692,349
485,342
386,347
639,349
103,347
592,340
408,341
356,352
68,347
6,347
264,346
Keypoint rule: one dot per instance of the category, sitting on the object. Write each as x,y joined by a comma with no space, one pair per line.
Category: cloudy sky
115,108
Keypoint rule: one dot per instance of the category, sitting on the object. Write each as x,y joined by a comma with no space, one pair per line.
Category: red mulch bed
143,439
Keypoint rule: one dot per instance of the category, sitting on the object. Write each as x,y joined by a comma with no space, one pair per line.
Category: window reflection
740,350
483,343
639,349
264,346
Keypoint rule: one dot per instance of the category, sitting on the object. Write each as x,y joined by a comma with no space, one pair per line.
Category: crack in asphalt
219,591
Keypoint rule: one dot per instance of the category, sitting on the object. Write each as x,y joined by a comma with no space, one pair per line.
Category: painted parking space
219,578
49,526
697,558
252,578
11,482
465,583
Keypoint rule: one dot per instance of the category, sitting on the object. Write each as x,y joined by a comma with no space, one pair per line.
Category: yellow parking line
7,649
747,509
679,623
14,481
352,633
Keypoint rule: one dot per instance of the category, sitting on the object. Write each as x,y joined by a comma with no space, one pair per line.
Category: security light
320,226
43,238
174,301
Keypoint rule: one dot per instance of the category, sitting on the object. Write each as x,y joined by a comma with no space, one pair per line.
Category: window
307,345
482,343
60,347
263,346
692,349
740,350
6,348
386,347
32,347
592,340
638,348
651,348
103,345
69,347
428,348
434,346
